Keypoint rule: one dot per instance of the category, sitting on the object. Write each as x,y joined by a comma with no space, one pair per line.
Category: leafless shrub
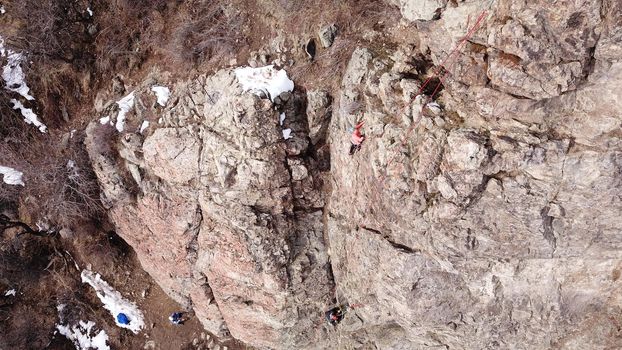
51,29
129,30
60,186
210,30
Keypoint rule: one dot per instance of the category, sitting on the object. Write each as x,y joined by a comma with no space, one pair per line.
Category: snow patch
2,10
266,80
12,73
104,120
287,133
88,9
83,336
29,116
281,119
114,301
162,93
11,176
434,107
14,76
10,292
144,126
125,104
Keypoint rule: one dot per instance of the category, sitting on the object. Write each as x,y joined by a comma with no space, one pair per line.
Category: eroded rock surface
488,220
227,216
492,226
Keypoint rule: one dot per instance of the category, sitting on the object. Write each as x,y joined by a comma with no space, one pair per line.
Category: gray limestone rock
327,35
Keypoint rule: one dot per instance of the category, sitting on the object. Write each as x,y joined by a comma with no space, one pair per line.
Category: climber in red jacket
357,138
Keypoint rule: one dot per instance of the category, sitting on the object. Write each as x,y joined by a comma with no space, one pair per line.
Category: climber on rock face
335,315
357,138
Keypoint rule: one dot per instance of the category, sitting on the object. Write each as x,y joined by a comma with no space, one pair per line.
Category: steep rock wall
492,223
222,211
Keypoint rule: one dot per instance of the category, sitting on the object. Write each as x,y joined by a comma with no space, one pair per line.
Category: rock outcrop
223,212
488,218
489,224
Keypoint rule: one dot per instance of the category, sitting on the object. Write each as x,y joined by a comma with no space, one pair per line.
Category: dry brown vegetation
61,188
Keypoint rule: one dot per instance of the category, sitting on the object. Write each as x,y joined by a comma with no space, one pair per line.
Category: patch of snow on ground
2,10
11,176
144,126
83,336
29,116
287,133
88,9
104,120
281,119
14,76
125,104
10,292
114,301
162,93
264,79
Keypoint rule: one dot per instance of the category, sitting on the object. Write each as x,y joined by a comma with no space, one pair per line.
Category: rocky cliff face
221,210
488,221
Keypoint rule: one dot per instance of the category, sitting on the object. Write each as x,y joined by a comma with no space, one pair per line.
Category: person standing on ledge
177,318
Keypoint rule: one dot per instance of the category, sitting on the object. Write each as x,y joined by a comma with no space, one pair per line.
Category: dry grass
61,188
210,30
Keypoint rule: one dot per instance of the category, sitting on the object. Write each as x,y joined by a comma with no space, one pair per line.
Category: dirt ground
45,272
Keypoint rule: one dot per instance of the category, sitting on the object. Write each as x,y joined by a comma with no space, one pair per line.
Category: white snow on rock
162,93
83,336
11,176
88,9
144,126
287,133
266,79
104,120
125,104
10,292
29,116
114,301
434,107
2,10
281,119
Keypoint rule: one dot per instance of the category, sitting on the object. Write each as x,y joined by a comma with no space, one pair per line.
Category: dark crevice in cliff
398,246
547,228
193,246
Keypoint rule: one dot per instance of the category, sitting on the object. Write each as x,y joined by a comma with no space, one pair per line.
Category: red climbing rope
451,58
452,53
